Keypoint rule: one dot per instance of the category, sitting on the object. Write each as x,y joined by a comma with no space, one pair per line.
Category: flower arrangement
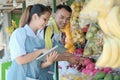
11,28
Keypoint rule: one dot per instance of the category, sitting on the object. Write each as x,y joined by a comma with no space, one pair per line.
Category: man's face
62,17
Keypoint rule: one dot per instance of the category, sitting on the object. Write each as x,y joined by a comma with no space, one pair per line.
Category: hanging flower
11,28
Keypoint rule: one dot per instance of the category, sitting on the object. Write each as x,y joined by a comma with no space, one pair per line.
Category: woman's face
43,19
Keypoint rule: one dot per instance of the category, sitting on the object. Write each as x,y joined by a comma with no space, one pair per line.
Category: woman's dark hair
66,7
38,9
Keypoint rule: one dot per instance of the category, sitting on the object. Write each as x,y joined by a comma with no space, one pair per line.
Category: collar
30,31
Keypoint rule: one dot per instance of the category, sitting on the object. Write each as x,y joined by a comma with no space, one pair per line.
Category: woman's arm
30,56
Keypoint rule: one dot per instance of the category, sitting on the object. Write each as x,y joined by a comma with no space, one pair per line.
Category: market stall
100,55
92,35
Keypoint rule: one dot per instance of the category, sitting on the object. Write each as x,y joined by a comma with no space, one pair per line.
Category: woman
26,44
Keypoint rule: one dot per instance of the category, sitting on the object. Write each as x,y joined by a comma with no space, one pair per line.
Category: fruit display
106,76
77,33
106,15
76,7
93,11
112,20
72,77
110,28
116,77
78,76
78,36
112,51
102,39
100,56
99,75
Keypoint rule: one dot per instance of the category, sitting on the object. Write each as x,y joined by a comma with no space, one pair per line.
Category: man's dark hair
66,7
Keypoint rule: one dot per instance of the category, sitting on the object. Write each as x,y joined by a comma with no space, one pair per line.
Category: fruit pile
72,77
107,16
76,7
78,36
86,66
77,33
103,39
106,76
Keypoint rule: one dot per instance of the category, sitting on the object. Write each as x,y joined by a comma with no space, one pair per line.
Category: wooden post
23,6
54,7
56,63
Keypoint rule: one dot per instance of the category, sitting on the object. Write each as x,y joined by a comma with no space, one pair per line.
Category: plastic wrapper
65,70
94,38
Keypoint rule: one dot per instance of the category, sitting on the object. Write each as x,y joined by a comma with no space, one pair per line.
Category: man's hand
72,59
68,57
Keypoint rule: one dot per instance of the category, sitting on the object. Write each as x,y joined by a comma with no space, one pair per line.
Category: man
53,32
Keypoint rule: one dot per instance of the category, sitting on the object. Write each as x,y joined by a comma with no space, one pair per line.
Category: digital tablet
59,49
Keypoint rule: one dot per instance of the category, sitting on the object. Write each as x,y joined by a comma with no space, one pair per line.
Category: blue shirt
17,40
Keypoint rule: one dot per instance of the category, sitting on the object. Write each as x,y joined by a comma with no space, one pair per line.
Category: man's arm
67,57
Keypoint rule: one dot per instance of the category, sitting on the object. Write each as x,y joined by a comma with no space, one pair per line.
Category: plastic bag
94,43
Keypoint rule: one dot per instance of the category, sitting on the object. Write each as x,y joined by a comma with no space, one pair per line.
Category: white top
17,40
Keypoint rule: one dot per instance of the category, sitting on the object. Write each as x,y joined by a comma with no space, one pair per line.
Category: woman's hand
51,57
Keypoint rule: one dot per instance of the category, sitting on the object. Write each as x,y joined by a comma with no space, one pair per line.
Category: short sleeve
17,43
